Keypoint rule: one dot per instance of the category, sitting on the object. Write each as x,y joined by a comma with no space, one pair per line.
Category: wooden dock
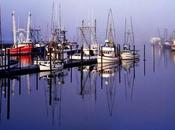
19,71
74,63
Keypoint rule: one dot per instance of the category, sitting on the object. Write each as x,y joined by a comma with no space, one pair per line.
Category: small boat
128,54
47,65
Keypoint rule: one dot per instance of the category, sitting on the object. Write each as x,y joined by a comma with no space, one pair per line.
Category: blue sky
147,15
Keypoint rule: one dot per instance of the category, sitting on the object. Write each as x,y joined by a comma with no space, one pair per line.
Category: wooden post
89,52
71,53
5,58
119,52
19,85
154,59
50,59
20,57
144,60
81,55
8,59
134,52
101,67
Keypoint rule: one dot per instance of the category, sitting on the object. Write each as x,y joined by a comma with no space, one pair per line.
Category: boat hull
129,56
21,49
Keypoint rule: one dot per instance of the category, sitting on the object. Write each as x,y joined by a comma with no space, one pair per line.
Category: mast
60,16
28,27
125,32
132,31
110,29
14,27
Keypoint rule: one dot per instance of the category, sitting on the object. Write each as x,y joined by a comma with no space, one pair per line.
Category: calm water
136,96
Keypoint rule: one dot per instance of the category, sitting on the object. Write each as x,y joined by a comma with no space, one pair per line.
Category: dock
74,63
19,71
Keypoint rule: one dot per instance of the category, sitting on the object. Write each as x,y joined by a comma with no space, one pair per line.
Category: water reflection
129,77
108,79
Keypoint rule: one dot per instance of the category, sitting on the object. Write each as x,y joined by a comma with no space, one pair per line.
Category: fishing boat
21,37
127,53
108,52
88,41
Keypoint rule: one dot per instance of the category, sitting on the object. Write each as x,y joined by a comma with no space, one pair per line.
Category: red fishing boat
21,38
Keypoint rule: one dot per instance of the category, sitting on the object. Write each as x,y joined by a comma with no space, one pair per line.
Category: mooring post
144,53
144,60
89,51
5,58
82,55
20,57
8,59
154,59
134,52
19,85
71,53
50,59
101,66
119,52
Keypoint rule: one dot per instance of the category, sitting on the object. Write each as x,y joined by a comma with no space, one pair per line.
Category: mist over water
147,16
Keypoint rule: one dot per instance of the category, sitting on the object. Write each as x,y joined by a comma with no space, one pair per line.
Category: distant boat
108,53
21,37
156,41
173,45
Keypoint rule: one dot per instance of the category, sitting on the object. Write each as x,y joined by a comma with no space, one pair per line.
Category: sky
148,16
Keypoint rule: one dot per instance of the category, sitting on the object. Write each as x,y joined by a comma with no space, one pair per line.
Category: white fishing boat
108,53
88,41
47,65
128,54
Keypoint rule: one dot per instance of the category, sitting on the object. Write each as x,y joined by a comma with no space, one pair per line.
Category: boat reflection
129,77
87,81
108,74
53,93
